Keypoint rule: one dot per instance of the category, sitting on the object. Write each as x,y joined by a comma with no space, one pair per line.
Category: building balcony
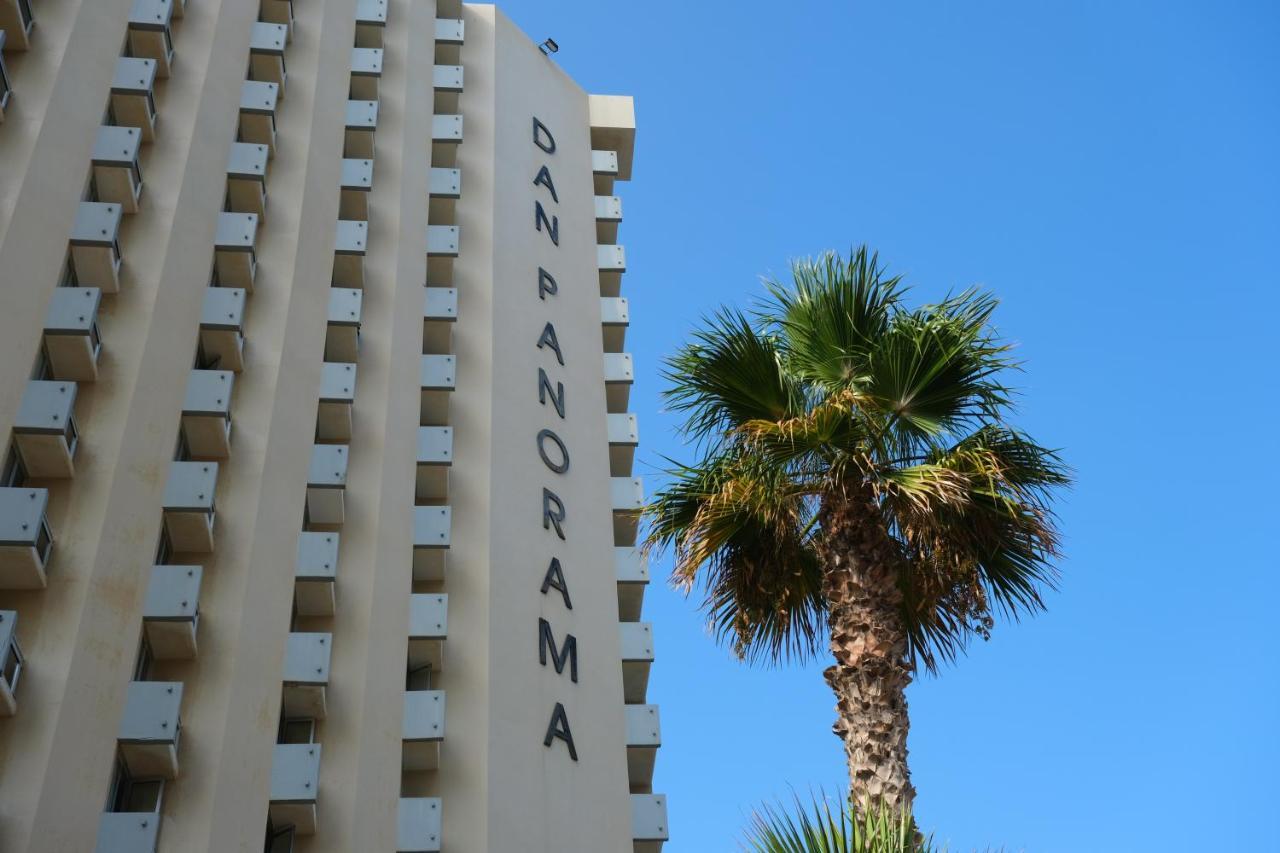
428,625
613,128
206,414
608,216
649,827
611,261
446,78
644,736
133,100
235,255
189,506
11,663
450,31
445,183
222,328
95,245
437,382
619,374
442,248
128,832
423,729
418,825
337,398
314,571
295,780
132,819
371,22
624,437
258,113
44,431
306,675
442,241
637,658
361,124
444,188
435,456
16,22
615,316
342,335
72,340
446,129
117,177
431,526
366,73
351,240
266,54
151,728
627,494
439,316
357,181
278,12
604,171
247,179
171,613
26,542
150,33
632,570
327,484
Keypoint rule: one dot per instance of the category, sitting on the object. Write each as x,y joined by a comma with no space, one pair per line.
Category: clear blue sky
1112,171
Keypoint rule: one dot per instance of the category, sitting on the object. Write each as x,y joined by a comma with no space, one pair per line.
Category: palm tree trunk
869,644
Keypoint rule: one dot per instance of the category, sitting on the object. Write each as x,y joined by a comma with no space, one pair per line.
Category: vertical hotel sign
551,448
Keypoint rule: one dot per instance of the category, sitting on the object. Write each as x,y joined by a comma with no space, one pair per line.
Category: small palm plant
856,480
821,827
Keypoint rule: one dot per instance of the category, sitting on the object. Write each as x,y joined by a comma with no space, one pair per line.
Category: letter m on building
567,653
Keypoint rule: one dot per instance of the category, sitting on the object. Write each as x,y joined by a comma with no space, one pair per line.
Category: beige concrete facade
371,592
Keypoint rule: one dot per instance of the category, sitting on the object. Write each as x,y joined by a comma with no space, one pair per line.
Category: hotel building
317,510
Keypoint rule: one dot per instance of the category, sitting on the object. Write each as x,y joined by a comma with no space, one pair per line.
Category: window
13,473
418,678
279,840
164,549
44,541
42,369
297,730
68,273
129,794
139,795
5,88
11,665
95,338
182,453
142,668
204,361
72,435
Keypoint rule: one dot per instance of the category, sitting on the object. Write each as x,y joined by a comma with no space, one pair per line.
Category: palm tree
856,478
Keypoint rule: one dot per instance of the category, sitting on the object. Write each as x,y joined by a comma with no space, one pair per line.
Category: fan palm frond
824,826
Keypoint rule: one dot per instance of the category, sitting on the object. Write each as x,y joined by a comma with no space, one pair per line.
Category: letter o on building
563,465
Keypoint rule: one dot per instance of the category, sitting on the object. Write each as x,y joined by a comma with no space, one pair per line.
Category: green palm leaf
824,826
